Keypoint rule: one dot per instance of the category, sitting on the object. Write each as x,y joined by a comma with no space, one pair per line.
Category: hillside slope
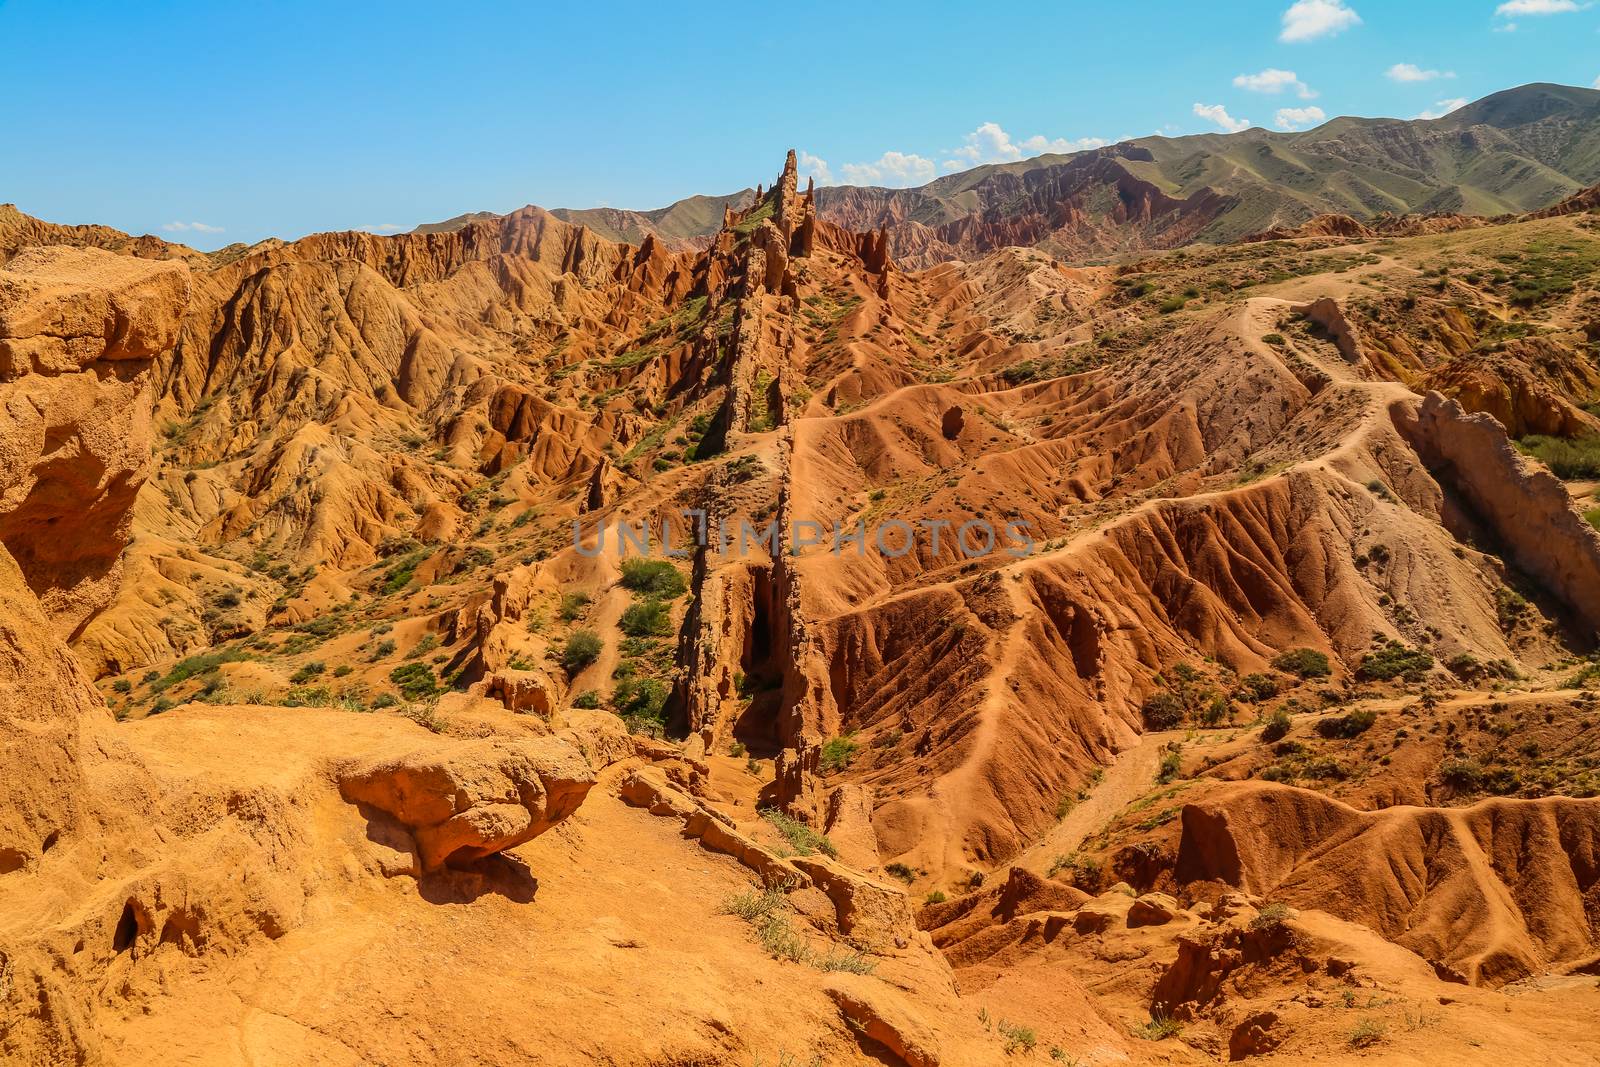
1518,150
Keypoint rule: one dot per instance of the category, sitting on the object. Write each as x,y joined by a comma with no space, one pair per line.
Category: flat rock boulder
527,692
883,1016
63,309
1153,909
1105,911
473,799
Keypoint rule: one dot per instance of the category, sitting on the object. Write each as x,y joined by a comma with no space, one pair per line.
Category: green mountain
1519,150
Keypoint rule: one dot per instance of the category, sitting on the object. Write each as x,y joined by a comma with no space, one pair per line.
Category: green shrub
1394,660
837,752
428,643
647,618
1368,1032
1171,304
900,871
935,897
307,672
416,680
655,578
1254,688
583,648
1510,607
1305,662
802,838
573,605
1465,775
640,698
1578,457
122,685
1018,1038
1214,711
187,668
586,699
1087,872
1159,1028
1277,726
1351,724
1162,711
400,573
754,905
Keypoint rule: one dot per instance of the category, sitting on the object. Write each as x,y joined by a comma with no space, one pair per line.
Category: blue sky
212,123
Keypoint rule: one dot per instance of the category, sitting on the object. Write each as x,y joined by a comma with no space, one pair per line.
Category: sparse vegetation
307,672
1395,660
801,838
1369,1031
1277,725
654,578
1159,1028
641,701
646,618
416,680
1351,724
837,752
1018,1038
573,606
1304,662
1577,457
583,647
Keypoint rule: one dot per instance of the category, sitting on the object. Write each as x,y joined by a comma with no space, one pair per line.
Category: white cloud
1038,145
1306,20
1273,80
1298,118
891,168
990,143
1510,27
1410,72
1218,114
1597,83
1442,108
815,167
1537,7
190,227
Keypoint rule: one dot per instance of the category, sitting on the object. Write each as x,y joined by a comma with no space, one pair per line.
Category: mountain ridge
1520,149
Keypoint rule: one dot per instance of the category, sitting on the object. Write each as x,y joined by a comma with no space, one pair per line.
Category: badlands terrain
326,743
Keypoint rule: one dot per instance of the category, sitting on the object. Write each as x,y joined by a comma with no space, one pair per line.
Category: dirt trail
1125,781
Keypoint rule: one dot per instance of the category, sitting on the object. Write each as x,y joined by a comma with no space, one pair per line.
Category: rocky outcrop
870,913
1585,200
1327,313
531,692
79,329
1090,204
884,1017
473,799
1496,891
1526,505
1516,386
